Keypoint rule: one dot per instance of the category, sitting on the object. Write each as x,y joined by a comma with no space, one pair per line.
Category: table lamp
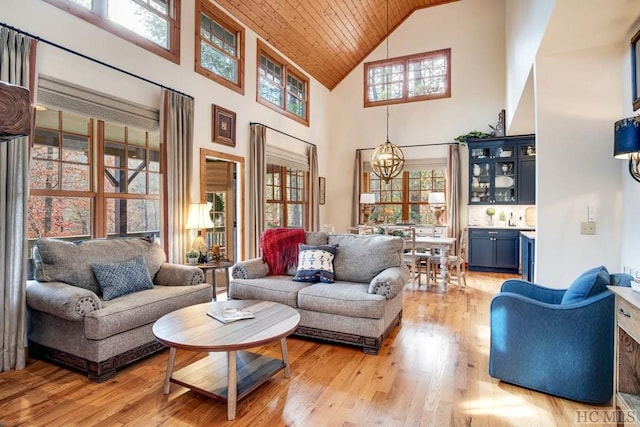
436,202
367,200
199,218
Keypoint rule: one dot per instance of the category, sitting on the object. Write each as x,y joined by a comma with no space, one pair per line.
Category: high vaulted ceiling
326,38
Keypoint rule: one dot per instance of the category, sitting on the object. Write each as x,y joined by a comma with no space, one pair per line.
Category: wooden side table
626,382
213,266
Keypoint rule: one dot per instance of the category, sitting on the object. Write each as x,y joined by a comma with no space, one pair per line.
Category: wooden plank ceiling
326,38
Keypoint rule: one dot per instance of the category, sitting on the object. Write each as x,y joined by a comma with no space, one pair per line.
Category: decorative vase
192,261
476,169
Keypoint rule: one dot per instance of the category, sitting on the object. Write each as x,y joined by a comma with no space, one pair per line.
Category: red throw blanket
280,248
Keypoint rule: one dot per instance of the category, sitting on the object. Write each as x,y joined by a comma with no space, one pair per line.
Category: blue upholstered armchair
558,342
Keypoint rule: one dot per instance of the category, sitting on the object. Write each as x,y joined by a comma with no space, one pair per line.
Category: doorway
221,186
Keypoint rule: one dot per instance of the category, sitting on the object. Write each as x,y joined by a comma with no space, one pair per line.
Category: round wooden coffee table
232,377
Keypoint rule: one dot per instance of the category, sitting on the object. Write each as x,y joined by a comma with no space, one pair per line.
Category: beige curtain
314,202
257,173
454,190
357,184
15,50
177,119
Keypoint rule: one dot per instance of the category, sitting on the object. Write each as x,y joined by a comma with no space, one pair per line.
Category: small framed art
322,188
224,126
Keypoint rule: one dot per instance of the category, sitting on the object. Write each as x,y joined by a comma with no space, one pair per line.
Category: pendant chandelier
388,159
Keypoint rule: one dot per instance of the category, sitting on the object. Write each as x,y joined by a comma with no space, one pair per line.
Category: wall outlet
588,227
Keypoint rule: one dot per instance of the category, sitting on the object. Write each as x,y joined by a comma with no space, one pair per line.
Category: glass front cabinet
502,170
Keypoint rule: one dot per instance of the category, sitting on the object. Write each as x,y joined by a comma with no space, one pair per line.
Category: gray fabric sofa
71,323
360,308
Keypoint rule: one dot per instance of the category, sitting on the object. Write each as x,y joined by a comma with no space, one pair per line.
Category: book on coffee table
231,315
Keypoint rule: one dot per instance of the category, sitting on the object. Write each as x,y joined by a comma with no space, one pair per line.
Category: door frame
239,189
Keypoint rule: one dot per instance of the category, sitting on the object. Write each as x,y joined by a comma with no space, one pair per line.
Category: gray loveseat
360,308
71,323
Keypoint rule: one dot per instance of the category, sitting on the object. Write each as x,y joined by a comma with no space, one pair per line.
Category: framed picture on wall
322,187
635,70
224,126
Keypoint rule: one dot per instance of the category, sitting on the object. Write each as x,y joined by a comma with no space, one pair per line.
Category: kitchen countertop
529,234
505,227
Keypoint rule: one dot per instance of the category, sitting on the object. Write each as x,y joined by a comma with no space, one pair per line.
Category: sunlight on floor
510,407
483,334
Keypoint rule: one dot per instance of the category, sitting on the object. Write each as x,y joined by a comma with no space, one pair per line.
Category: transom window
286,197
151,24
406,197
65,201
219,47
409,78
281,86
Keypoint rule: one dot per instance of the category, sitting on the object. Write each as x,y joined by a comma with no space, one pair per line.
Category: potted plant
193,256
491,212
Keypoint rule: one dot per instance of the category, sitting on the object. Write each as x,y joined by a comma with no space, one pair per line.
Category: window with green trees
151,24
219,47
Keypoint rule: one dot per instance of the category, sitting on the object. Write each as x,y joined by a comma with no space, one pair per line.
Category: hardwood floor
431,371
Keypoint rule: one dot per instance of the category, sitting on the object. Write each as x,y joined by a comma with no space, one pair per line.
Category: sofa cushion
271,288
361,257
70,262
122,278
142,308
315,263
316,238
342,298
589,283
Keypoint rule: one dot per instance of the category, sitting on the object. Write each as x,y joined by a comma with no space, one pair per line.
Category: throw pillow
621,279
589,283
122,278
315,263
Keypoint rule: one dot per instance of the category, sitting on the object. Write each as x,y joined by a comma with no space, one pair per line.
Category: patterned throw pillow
122,278
315,263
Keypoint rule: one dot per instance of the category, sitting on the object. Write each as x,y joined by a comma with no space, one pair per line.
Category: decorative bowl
504,181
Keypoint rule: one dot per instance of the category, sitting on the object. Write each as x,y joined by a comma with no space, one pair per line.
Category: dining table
442,243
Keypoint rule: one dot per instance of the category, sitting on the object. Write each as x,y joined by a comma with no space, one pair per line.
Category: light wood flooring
432,371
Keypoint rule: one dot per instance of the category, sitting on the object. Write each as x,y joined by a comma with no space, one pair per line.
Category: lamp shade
436,198
199,217
626,139
367,198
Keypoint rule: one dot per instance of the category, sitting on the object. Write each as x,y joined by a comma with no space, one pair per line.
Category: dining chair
456,261
361,229
410,257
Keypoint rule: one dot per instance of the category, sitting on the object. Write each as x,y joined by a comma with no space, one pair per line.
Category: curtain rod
82,55
283,133
416,145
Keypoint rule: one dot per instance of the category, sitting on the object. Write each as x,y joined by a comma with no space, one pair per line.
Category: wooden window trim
405,203
404,60
207,8
284,202
96,172
264,50
172,53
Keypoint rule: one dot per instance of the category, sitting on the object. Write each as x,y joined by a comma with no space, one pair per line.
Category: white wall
477,96
525,24
55,25
630,188
580,91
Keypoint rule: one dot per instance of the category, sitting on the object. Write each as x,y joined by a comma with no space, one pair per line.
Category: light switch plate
588,227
